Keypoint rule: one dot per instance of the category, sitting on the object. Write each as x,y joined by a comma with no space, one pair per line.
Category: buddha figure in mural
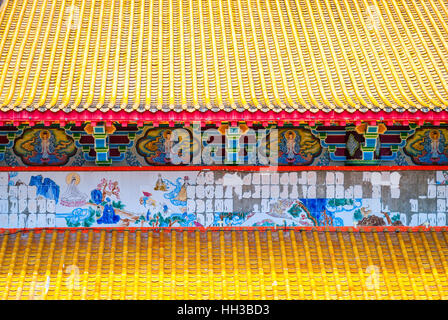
434,135
290,144
72,197
168,144
160,185
45,144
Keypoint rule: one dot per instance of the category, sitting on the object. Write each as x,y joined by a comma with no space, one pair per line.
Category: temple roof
280,56
223,264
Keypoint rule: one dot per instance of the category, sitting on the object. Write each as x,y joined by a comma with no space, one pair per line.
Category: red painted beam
229,168
308,116
233,228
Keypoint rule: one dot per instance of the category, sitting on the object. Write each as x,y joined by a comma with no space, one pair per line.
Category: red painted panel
134,116
231,168
203,229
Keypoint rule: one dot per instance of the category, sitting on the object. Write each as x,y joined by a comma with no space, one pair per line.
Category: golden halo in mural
72,176
290,132
434,134
166,132
44,134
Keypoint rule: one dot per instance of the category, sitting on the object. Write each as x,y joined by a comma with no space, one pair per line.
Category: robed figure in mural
72,197
168,144
290,144
109,216
160,185
182,195
434,135
45,144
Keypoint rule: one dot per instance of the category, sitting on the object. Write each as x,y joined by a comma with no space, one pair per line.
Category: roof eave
295,117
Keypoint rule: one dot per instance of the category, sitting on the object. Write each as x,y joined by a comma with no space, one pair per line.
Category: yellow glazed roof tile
328,55
223,264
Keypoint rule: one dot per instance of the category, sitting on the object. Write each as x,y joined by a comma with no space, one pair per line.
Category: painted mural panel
428,146
215,198
44,146
145,145
298,147
156,146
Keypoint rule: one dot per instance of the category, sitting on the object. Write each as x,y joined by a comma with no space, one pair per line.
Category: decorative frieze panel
363,144
218,198
428,146
7,138
44,147
111,144
104,144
